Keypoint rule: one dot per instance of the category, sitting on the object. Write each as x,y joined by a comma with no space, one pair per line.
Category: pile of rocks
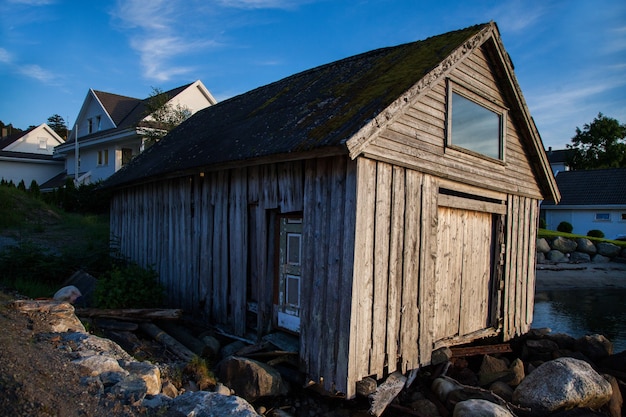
544,375
580,250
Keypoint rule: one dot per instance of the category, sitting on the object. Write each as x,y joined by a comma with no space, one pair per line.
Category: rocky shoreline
536,374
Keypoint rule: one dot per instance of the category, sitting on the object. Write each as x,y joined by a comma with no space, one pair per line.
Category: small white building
590,200
108,132
27,155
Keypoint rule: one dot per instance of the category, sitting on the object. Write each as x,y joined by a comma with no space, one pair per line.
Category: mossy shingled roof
321,107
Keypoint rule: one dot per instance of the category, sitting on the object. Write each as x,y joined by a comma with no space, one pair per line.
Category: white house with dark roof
590,200
108,133
27,155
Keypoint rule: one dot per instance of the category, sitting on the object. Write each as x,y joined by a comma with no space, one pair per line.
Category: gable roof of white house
119,115
590,188
35,143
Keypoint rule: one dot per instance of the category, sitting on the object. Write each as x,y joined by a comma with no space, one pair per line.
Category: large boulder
595,346
251,379
211,404
607,249
556,256
480,408
563,383
563,244
585,245
579,257
543,246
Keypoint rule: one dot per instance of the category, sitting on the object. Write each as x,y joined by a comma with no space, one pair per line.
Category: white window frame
488,104
598,217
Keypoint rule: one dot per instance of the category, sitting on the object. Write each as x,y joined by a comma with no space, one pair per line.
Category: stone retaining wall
580,250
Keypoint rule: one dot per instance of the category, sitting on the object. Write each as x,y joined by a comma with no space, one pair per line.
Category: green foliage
565,227
601,144
21,186
28,262
34,188
129,286
86,198
595,233
162,117
57,123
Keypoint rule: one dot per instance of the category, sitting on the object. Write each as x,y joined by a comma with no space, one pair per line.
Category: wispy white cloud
32,2
5,56
262,4
517,16
159,32
36,72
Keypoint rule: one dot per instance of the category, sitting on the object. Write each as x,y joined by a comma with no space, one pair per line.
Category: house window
89,125
478,128
98,123
623,217
127,155
103,157
603,217
43,143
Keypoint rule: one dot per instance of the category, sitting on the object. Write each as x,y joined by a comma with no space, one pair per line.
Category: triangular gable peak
38,140
488,39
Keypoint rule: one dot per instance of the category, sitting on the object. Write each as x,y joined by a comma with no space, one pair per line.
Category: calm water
583,312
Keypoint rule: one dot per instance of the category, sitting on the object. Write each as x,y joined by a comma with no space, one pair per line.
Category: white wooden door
289,273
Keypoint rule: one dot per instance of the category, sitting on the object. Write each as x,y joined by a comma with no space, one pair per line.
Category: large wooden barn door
463,272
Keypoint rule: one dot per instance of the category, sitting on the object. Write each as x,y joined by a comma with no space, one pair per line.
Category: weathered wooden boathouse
379,207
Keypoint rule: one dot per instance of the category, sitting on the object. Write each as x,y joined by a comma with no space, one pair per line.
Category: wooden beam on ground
459,352
131,313
172,344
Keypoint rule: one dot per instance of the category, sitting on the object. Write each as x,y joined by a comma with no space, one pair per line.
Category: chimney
5,132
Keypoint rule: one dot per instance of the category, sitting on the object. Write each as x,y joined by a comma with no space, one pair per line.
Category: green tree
601,144
161,116
57,123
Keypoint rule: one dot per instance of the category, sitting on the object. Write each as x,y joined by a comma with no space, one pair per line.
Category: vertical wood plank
361,337
409,324
238,249
396,249
381,267
428,260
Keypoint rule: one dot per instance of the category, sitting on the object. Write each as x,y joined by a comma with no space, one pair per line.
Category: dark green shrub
21,186
34,188
565,227
595,233
129,286
30,262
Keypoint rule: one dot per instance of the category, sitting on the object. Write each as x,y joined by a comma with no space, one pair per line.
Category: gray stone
617,401
556,256
563,244
595,347
222,389
212,344
251,379
579,257
425,407
366,386
480,408
541,346
543,246
493,369
541,258
441,355
562,383
600,259
168,389
149,373
130,390
517,369
444,386
157,401
98,364
607,249
502,390
585,245
211,404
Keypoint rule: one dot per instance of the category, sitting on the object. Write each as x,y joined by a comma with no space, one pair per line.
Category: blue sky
569,55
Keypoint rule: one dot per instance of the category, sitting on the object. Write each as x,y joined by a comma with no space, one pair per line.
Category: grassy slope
52,243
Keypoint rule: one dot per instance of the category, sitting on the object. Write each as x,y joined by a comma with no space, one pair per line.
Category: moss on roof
320,107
